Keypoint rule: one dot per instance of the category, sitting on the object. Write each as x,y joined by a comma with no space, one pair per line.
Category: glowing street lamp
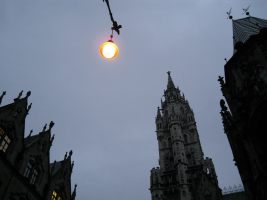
109,50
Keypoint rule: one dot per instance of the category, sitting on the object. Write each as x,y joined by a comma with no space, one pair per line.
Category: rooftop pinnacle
170,82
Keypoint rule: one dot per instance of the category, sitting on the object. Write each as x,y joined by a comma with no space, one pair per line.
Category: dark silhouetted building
234,193
245,90
183,172
235,196
25,169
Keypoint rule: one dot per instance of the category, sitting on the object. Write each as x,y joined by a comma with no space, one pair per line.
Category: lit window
55,196
4,140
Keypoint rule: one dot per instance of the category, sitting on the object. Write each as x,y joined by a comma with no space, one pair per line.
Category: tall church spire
172,93
170,82
180,171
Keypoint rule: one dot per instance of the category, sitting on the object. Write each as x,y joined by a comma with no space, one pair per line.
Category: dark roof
246,27
55,167
22,102
235,196
28,141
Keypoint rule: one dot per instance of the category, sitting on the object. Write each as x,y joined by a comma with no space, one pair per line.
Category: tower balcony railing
232,189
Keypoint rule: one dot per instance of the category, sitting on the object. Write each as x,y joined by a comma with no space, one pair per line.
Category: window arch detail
4,140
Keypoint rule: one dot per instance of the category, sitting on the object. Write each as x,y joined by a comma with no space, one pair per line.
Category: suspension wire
115,25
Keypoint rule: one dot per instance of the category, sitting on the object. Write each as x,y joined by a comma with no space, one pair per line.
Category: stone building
25,169
183,172
234,193
245,90
235,196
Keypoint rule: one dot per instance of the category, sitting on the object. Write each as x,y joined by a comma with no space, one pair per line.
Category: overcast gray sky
105,111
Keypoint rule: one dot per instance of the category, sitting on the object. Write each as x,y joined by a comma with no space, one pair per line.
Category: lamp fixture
109,50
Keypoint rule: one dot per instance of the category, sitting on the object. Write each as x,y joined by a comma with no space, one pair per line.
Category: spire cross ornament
246,11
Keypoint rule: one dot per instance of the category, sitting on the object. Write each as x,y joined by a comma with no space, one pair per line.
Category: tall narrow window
33,176
4,140
31,173
28,170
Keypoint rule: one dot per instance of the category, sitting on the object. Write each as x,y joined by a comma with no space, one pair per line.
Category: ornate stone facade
25,169
183,172
245,90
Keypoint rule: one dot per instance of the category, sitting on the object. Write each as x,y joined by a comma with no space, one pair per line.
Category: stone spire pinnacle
158,114
170,82
73,195
1,97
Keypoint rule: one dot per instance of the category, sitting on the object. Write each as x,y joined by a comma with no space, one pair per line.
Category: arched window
34,176
31,172
28,170
4,140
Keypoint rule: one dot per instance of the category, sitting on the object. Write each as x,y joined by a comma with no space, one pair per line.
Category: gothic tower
183,172
245,90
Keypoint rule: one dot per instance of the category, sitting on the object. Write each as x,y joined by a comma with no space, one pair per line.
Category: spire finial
70,154
44,128
30,134
73,195
52,139
229,14
72,165
246,11
170,82
19,96
28,94
51,125
1,97
28,108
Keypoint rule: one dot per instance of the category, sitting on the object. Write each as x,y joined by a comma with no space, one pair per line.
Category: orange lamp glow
109,50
